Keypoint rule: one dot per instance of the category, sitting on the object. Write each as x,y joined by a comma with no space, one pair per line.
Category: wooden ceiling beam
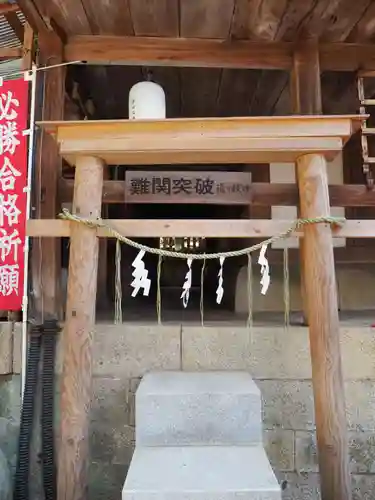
33,16
191,52
262,194
181,52
42,25
233,140
212,228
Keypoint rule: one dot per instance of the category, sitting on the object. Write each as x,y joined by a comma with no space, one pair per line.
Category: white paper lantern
147,101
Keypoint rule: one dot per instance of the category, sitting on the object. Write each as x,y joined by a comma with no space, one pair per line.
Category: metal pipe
31,76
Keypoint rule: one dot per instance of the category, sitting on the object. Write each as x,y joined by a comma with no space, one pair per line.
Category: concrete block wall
278,360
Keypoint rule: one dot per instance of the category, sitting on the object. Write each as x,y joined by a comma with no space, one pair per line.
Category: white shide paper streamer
140,275
187,285
220,289
265,270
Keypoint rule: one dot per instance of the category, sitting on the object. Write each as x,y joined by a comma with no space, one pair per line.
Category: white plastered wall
285,173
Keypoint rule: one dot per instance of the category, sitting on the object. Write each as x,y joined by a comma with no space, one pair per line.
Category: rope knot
92,223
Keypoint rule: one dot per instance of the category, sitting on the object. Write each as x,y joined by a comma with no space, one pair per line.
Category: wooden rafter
15,24
98,49
41,24
33,16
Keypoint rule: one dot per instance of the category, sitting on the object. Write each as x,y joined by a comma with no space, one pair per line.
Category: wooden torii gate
309,141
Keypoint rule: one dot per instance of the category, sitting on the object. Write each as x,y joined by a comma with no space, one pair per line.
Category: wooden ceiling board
263,18
206,18
257,19
274,96
331,21
243,9
293,19
109,17
271,84
264,25
199,92
344,19
315,23
292,26
107,86
364,30
69,15
155,17
200,88
237,88
160,18
62,12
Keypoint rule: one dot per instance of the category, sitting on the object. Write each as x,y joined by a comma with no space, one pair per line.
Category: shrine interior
205,92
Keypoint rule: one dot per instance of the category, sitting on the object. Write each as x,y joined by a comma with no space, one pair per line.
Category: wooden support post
305,79
46,252
27,47
306,100
77,338
103,269
321,293
103,261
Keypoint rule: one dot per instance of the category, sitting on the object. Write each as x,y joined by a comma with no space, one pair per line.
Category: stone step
200,408
200,473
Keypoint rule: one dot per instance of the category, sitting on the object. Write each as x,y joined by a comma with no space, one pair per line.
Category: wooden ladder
365,130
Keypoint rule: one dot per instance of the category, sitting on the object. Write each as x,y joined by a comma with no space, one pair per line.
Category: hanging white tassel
140,275
265,279
220,289
187,285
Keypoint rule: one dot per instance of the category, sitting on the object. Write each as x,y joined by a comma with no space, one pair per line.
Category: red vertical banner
13,191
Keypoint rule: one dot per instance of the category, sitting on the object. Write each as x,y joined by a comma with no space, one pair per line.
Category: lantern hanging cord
298,224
